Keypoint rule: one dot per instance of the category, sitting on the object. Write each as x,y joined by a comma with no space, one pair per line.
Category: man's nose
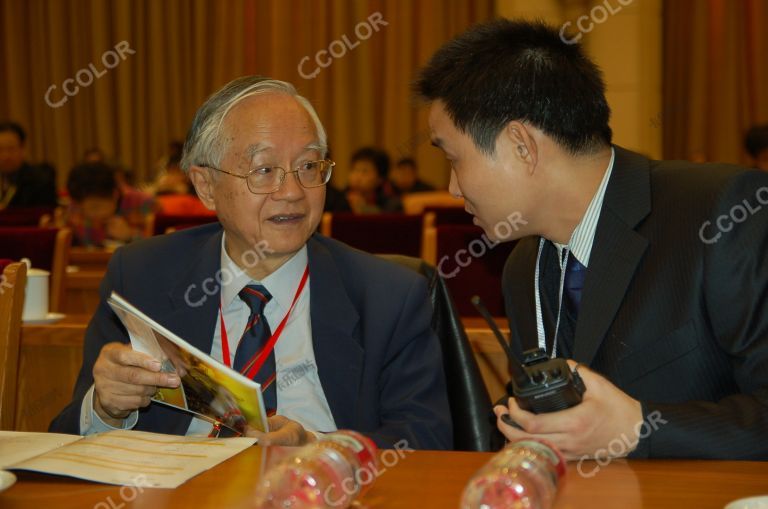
290,189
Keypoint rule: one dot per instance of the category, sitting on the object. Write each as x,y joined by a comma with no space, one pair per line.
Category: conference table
420,479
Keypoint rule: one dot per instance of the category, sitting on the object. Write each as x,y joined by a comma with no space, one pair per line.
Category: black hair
756,140
378,157
8,125
505,70
91,180
407,161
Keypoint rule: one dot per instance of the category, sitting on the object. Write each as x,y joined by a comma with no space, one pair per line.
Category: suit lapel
194,311
335,335
616,253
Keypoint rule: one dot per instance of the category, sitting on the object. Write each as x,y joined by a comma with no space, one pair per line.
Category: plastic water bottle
328,473
525,474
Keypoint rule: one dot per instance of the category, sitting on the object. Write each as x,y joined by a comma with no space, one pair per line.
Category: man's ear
202,179
524,146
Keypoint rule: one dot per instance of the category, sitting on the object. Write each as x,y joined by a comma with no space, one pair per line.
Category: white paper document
123,457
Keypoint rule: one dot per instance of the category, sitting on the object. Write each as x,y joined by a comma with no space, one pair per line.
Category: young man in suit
356,351
651,273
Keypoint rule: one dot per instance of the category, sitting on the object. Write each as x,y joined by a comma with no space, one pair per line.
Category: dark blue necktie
575,273
254,340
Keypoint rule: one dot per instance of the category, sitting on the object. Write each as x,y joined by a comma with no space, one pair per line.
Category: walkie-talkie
539,384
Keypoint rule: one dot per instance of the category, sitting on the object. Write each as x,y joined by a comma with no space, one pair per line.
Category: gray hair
203,146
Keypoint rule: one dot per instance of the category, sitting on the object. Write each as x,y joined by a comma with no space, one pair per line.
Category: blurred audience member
756,143
335,200
366,193
100,214
174,192
93,155
171,180
132,198
23,184
404,178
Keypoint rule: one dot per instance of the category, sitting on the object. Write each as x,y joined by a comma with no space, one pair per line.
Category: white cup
749,503
36,294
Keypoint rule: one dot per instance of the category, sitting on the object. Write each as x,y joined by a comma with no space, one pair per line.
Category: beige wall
626,44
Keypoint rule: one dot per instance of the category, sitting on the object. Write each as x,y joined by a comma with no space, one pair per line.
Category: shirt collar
282,283
583,235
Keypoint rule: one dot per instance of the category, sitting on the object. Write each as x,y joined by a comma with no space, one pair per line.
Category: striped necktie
254,340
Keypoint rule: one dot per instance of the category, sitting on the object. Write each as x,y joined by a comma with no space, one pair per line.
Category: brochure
209,389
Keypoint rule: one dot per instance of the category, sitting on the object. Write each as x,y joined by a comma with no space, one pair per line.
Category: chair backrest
24,216
415,203
12,285
379,233
473,425
471,265
449,215
164,221
46,248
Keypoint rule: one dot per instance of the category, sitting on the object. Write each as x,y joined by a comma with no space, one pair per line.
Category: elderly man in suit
343,337
652,274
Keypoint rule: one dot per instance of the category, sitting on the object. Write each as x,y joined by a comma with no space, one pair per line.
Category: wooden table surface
421,479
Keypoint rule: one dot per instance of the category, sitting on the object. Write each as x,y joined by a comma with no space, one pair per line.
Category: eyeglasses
268,179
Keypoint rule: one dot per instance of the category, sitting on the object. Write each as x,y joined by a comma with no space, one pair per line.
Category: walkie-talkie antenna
518,373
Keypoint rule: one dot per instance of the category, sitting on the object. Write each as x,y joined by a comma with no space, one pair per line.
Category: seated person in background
94,155
756,143
335,200
99,213
131,197
173,180
23,184
366,192
404,178
362,323
174,192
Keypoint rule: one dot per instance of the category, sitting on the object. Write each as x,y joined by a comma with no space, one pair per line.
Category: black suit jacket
674,318
35,186
377,358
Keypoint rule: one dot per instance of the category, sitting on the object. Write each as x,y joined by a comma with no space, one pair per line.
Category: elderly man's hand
283,432
605,414
124,380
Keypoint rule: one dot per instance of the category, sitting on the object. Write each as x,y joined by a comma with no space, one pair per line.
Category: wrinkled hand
125,380
283,432
605,414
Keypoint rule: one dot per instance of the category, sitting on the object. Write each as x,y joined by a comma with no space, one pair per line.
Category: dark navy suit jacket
674,309
378,360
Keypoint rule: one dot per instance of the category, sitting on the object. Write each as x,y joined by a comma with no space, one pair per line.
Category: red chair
46,248
378,233
25,216
471,264
162,222
448,215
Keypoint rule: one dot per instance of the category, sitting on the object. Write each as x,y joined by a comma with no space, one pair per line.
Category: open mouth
286,218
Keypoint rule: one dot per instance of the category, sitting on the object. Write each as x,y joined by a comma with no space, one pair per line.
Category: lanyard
254,364
539,319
